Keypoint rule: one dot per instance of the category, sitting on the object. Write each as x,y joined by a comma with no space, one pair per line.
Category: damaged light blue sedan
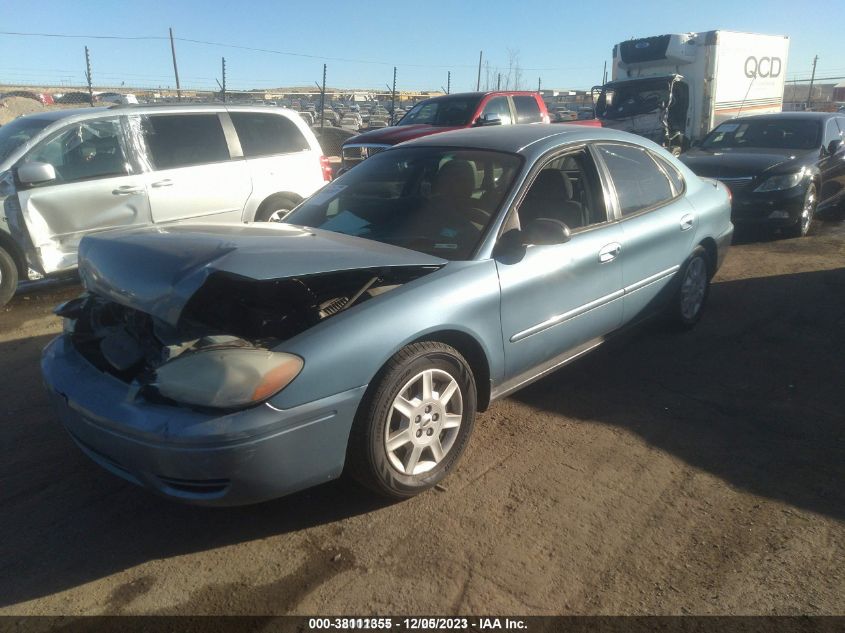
227,365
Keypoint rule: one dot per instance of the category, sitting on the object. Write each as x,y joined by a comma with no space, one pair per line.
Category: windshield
446,112
629,99
765,133
18,132
433,200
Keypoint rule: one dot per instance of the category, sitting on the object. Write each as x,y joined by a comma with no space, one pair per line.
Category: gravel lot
662,474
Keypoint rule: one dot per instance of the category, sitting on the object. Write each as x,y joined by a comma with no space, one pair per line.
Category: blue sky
564,43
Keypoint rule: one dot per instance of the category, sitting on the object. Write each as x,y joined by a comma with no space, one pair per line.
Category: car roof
56,115
794,116
527,140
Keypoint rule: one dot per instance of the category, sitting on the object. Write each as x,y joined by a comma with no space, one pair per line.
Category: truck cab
673,89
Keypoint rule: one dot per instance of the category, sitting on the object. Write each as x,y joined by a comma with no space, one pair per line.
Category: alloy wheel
423,422
693,288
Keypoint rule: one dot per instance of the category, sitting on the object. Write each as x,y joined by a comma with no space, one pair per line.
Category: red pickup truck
451,112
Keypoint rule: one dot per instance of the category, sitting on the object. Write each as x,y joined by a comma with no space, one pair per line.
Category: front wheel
8,277
412,428
688,303
808,212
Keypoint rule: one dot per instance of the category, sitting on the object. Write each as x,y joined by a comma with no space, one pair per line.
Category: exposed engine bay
228,311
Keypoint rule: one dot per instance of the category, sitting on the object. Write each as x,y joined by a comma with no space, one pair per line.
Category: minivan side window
264,134
84,151
180,140
527,110
638,180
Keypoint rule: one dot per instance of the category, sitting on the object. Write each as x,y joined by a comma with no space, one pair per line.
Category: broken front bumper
197,457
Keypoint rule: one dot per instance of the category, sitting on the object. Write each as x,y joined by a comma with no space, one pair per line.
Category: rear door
196,168
657,223
98,186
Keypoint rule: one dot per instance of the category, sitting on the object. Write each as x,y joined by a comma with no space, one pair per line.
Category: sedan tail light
326,167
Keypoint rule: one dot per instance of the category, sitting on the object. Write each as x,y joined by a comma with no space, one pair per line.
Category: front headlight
226,378
779,183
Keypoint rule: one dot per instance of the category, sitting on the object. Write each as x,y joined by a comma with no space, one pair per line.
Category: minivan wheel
274,209
8,277
692,291
412,428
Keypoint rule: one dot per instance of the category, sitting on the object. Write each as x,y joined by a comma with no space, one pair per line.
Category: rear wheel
411,430
8,276
688,303
275,208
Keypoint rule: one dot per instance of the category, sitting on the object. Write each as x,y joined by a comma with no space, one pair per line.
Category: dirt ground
662,474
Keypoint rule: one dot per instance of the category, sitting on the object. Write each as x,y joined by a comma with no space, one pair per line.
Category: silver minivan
67,173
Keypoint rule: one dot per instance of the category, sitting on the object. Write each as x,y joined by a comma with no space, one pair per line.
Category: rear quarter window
527,109
265,134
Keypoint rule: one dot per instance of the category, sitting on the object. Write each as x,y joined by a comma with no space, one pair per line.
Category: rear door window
264,134
640,184
527,109
182,140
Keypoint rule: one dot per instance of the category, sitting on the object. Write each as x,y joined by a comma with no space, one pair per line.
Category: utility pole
175,69
88,77
499,81
449,81
224,79
812,79
478,81
604,74
323,102
393,99
539,84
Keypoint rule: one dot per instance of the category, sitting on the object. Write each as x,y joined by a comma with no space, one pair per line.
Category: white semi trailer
675,88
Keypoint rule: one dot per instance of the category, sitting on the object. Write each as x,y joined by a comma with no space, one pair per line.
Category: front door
559,298
97,187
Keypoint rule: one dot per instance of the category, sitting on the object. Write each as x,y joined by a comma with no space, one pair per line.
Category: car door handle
127,190
163,183
609,252
687,222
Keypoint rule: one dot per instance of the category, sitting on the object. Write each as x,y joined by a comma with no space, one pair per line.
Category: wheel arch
709,245
473,352
295,197
8,243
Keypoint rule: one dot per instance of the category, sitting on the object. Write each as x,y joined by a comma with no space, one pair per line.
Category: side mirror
35,172
488,119
543,231
834,146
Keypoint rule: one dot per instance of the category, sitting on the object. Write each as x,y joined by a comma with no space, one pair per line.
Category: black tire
368,460
8,277
685,310
802,227
274,208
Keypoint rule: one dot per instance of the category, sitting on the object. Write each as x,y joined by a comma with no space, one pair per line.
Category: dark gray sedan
228,365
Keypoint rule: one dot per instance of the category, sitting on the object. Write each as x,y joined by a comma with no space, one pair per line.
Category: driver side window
84,151
498,106
567,189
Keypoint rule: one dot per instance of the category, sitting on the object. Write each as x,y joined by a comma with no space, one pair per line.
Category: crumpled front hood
157,269
397,134
648,125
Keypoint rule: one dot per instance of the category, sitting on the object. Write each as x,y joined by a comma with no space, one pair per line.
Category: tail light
326,167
